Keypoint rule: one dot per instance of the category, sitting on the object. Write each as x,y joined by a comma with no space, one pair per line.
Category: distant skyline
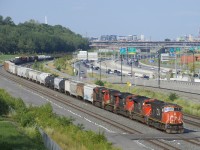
155,19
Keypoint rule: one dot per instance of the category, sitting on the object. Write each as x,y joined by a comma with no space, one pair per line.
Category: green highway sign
131,50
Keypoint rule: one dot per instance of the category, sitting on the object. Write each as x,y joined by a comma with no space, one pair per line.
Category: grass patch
6,57
11,137
95,75
65,64
61,129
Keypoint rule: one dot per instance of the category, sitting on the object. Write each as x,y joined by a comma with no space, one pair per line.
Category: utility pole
193,64
100,69
159,55
176,65
131,68
79,70
121,68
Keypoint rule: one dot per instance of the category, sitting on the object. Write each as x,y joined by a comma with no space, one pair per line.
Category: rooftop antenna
45,19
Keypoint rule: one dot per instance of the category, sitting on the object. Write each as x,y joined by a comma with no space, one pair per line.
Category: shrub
58,68
173,96
99,82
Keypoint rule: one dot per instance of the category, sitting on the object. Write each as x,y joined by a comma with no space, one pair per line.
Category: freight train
152,112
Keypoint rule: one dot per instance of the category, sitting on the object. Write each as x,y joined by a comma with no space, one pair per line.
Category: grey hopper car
49,82
59,84
41,77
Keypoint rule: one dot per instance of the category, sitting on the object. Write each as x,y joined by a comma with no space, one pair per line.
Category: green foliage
12,137
62,129
33,37
99,82
58,68
173,96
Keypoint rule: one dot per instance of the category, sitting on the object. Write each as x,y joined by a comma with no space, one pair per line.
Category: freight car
25,59
153,112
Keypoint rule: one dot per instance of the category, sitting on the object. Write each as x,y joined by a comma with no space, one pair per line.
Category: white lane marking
139,143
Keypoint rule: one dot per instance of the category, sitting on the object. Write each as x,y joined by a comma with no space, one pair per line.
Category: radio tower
45,19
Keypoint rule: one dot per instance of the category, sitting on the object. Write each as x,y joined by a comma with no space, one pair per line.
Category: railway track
59,97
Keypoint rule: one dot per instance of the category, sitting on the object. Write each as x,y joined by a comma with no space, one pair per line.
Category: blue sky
158,19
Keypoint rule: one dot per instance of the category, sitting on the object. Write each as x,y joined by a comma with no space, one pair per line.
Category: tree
8,21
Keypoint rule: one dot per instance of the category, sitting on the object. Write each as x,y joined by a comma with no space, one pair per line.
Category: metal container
73,87
33,75
67,87
12,68
41,77
57,81
62,85
80,90
18,70
88,92
24,72
49,81
6,65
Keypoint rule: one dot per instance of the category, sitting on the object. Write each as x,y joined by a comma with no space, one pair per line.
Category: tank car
49,81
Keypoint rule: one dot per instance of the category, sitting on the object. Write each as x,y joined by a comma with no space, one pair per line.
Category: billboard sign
168,56
92,56
82,55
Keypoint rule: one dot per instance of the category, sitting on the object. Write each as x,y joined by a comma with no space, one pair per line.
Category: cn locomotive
156,113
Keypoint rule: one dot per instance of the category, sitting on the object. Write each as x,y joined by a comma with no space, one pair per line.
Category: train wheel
146,120
168,131
103,105
181,131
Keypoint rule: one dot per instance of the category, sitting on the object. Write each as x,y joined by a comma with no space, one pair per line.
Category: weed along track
63,99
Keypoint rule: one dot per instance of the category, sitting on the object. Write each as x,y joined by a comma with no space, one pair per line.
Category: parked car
82,72
96,68
115,71
146,77
129,74
110,72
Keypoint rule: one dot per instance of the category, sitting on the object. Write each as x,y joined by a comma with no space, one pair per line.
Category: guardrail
48,142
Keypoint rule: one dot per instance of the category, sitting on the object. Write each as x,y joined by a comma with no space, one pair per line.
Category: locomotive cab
167,116
173,118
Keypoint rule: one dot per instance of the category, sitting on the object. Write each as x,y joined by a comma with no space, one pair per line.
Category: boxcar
80,90
88,92
73,87
6,65
67,87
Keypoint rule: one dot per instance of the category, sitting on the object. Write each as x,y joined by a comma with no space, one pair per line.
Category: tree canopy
33,37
